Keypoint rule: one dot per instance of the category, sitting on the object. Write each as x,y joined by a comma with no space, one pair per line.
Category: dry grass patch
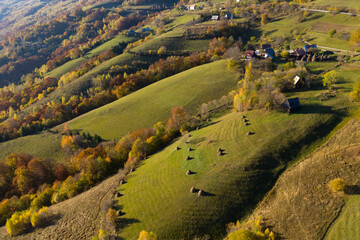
301,205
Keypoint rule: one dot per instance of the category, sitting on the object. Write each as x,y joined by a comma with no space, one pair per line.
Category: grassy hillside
338,3
67,67
43,145
157,194
188,89
302,206
84,82
152,104
316,28
236,181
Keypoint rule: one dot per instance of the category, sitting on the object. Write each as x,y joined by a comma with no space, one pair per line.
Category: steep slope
301,205
137,110
157,195
149,105
78,218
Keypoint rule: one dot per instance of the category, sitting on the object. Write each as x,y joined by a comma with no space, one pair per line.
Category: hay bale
177,149
243,116
249,133
122,182
192,190
246,124
200,193
188,172
220,150
119,213
245,120
189,149
219,153
187,158
117,195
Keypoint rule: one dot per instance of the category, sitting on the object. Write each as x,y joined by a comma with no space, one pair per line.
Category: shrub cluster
25,220
251,230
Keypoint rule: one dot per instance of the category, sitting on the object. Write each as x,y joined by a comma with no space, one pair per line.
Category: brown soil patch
326,27
80,217
301,205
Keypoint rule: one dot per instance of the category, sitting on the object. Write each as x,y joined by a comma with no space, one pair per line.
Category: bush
144,235
330,78
285,54
18,223
332,32
355,94
22,221
111,215
243,234
337,185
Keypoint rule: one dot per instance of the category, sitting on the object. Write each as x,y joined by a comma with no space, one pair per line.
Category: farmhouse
266,53
249,54
291,104
215,18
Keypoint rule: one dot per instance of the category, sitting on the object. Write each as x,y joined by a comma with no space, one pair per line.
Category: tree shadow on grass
122,223
314,108
352,190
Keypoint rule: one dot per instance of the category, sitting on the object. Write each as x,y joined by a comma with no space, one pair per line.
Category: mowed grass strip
149,105
157,195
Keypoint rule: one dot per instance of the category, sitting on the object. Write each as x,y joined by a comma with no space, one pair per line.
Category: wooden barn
291,105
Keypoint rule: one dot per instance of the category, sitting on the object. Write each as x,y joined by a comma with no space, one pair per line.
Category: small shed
291,104
228,16
249,54
215,18
192,7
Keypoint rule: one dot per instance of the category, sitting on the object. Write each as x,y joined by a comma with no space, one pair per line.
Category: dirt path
80,217
341,51
325,11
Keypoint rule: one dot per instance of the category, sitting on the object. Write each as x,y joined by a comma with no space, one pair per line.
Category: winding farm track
79,217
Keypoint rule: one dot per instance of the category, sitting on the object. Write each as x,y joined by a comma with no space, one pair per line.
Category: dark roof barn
291,104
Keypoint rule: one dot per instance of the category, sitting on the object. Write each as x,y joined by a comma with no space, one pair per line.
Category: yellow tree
355,37
144,235
264,19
